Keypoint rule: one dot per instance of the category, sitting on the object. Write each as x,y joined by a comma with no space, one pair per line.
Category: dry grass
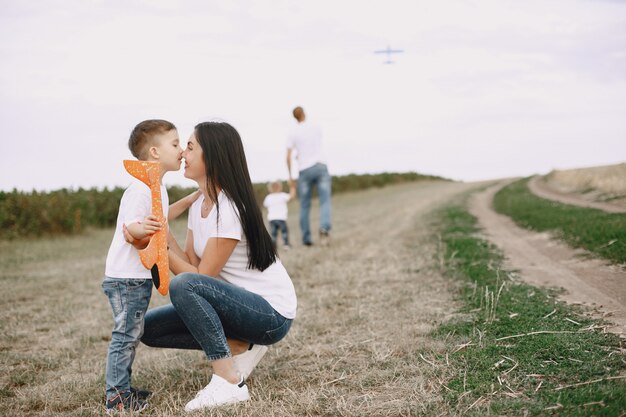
604,183
360,344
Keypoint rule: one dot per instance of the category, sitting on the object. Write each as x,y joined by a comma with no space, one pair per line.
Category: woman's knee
180,285
186,286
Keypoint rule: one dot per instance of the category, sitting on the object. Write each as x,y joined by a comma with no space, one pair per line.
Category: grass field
367,306
604,183
367,340
603,234
519,351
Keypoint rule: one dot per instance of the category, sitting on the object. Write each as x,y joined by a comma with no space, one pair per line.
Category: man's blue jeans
129,299
205,311
318,176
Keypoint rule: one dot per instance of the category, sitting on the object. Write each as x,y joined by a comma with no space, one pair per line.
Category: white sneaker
247,361
218,392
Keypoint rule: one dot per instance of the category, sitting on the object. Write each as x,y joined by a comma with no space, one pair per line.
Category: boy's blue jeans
317,175
275,226
205,311
129,299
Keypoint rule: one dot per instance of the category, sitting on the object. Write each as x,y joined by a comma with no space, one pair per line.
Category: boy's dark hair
142,136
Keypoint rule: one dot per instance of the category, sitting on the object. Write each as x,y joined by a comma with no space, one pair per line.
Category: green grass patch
492,373
603,234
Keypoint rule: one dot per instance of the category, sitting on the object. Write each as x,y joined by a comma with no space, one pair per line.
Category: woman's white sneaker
247,361
218,392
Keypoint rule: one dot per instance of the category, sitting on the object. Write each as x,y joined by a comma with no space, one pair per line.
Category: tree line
67,211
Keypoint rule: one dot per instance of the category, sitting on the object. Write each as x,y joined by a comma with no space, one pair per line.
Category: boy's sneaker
142,394
324,237
125,401
287,248
219,392
247,361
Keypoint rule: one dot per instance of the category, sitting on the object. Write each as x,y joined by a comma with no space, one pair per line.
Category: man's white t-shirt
276,204
123,259
273,284
306,140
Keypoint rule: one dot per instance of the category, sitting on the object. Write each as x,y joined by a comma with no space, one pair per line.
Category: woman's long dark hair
226,167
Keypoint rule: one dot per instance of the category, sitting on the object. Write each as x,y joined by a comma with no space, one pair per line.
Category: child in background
276,204
127,283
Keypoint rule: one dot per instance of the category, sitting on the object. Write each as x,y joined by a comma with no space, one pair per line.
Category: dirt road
540,188
546,262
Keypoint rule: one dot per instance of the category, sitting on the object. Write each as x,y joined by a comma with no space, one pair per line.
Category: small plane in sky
389,51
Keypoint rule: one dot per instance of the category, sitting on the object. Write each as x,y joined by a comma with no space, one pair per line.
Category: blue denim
317,175
129,299
275,226
205,311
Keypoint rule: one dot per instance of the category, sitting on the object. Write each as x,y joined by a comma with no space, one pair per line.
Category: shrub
66,211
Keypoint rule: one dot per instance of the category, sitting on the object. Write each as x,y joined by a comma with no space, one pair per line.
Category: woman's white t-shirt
273,284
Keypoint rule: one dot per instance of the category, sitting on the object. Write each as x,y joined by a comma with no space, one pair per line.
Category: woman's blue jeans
317,175
205,311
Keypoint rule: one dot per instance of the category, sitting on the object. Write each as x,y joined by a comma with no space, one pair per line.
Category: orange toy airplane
154,257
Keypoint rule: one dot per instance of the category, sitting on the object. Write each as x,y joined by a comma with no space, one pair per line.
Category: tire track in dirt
544,261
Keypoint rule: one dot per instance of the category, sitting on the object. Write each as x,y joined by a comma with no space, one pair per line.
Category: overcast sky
484,89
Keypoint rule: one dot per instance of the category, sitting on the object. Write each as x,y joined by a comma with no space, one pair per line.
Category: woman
231,295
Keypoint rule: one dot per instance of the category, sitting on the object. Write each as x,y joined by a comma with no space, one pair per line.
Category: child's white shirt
136,204
273,284
276,204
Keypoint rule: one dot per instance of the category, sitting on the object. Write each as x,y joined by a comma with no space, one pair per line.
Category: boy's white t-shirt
273,284
123,259
306,139
276,204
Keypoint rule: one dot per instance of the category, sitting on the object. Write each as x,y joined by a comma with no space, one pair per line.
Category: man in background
306,140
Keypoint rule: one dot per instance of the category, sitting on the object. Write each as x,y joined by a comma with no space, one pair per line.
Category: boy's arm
137,243
143,229
136,226
179,207
139,234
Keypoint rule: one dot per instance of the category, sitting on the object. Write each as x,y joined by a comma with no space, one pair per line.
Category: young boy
127,283
276,204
